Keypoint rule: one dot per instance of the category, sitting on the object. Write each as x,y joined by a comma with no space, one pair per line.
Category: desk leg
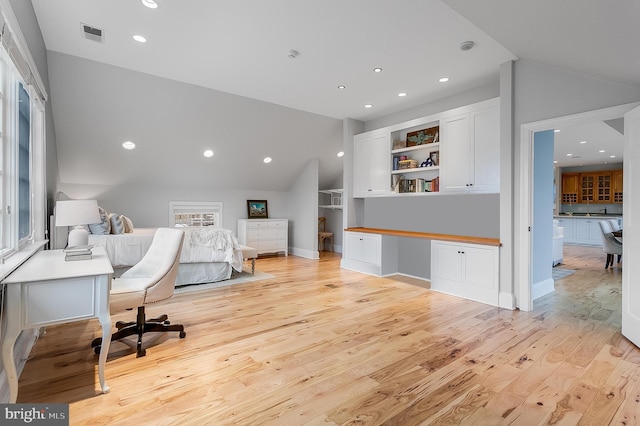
105,323
12,316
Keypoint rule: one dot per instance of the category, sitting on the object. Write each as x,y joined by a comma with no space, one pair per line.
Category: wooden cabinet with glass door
587,186
570,188
616,178
603,187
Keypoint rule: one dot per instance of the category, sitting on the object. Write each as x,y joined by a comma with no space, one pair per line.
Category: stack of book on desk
77,253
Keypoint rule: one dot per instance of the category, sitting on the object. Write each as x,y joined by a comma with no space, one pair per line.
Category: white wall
148,205
544,92
303,213
98,106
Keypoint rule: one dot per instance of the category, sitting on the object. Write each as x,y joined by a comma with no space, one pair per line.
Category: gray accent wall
459,214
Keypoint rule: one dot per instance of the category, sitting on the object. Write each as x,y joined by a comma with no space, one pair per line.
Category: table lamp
77,213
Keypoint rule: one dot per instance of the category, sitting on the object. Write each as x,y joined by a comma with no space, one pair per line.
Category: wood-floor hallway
318,345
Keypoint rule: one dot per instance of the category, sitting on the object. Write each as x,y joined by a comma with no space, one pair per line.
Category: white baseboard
308,254
542,288
507,300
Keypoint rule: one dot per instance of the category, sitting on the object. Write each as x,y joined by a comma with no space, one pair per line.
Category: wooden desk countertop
430,236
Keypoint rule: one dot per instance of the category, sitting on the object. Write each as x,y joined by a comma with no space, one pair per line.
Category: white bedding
201,245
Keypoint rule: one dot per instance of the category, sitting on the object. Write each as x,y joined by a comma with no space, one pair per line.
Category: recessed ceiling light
555,161
267,160
402,94
208,153
612,156
341,154
467,45
602,150
139,38
443,79
368,106
569,155
342,87
150,4
128,145
583,142
377,69
557,130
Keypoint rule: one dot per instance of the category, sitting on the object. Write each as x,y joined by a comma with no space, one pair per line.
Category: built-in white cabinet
466,270
569,230
373,254
456,150
588,231
372,166
471,151
583,229
265,235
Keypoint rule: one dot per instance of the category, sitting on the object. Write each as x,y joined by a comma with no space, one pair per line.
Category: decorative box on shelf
408,164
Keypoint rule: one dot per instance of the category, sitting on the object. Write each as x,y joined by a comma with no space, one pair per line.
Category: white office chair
151,280
610,244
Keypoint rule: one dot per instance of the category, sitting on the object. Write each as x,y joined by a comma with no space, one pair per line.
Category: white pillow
117,226
128,224
104,226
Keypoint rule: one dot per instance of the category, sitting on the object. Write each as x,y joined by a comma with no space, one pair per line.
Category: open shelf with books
415,159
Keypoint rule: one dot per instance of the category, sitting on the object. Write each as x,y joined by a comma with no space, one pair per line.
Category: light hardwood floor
320,345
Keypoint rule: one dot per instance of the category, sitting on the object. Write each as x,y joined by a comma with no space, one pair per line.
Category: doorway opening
523,249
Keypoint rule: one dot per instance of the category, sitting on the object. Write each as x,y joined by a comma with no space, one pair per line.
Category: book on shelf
435,184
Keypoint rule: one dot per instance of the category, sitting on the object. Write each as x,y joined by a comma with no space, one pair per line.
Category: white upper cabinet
471,151
456,150
372,166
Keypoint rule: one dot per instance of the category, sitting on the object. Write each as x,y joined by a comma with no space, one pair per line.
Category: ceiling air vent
92,33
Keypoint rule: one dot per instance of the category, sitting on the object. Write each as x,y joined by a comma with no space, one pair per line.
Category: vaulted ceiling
244,48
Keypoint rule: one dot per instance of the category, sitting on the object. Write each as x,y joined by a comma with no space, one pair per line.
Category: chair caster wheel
97,350
183,334
167,322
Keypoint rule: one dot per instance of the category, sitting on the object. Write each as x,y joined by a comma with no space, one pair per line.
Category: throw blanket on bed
201,245
207,244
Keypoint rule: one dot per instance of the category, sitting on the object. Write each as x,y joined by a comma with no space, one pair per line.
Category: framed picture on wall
257,209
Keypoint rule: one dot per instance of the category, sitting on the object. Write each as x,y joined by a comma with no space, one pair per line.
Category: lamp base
78,237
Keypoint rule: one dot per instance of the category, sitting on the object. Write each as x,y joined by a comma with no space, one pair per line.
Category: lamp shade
77,212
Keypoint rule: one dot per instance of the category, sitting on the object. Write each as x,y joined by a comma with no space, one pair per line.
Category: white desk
47,290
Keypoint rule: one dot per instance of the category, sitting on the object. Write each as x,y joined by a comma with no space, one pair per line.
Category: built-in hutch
456,151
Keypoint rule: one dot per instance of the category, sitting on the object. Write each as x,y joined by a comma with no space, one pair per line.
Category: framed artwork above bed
195,213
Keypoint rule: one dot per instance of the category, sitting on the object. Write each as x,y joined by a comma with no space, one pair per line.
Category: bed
209,253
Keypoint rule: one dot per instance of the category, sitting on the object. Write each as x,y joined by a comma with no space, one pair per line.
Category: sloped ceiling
174,95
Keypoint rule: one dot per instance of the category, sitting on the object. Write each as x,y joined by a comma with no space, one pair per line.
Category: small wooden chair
323,235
